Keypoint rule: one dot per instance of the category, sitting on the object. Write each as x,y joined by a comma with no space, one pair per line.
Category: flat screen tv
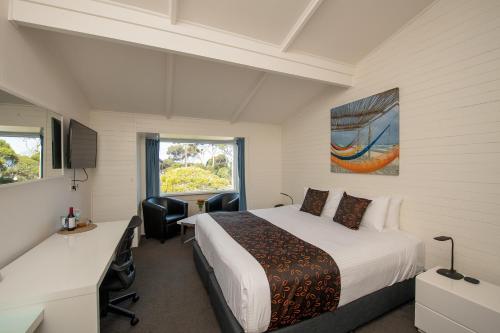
82,146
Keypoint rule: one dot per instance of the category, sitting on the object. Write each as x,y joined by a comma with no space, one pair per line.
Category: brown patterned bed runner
304,280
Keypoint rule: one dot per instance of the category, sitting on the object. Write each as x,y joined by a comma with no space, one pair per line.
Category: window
20,156
196,166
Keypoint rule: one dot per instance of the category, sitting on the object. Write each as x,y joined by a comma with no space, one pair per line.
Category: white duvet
368,260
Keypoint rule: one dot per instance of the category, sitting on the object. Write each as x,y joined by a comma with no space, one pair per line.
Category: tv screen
82,146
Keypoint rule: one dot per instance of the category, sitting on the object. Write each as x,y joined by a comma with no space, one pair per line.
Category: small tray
78,230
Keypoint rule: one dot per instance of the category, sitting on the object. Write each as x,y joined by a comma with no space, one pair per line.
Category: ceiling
355,27
264,20
343,30
121,77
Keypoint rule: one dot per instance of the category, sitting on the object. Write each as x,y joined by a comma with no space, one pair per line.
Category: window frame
235,176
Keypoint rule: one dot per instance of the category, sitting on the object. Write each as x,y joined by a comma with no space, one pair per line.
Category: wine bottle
71,220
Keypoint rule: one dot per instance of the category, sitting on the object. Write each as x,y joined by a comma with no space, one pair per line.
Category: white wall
114,189
30,212
447,65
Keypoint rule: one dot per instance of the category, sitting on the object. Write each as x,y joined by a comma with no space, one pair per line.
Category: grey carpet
174,300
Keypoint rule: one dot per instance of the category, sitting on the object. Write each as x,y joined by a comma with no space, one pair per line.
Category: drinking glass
77,212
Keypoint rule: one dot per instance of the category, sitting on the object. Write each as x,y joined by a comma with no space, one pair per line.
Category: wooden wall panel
446,63
115,184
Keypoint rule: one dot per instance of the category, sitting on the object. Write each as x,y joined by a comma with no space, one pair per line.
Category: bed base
346,318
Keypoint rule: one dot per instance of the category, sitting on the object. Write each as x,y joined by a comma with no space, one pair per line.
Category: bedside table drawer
433,322
448,300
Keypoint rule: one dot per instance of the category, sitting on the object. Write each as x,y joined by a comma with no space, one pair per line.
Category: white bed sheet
368,260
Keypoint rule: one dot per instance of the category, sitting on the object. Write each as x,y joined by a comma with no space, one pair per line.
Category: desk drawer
433,322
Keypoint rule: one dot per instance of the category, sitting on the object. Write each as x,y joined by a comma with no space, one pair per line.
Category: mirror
30,141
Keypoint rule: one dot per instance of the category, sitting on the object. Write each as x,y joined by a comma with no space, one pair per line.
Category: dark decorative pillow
314,201
351,211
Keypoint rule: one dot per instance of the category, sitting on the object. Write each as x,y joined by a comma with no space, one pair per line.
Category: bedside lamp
449,273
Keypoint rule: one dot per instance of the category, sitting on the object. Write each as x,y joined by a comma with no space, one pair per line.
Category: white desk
21,320
63,274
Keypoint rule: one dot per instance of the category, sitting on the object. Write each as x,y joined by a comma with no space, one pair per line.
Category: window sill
182,194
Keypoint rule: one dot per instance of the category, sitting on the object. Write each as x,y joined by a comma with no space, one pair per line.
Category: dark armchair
161,215
229,202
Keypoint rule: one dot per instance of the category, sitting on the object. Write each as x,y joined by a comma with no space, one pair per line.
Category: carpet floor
174,300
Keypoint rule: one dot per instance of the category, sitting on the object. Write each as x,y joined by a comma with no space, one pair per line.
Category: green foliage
192,167
182,152
36,156
220,166
176,152
169,163
224,172
14,167
26,168
217,161
8,156
190,179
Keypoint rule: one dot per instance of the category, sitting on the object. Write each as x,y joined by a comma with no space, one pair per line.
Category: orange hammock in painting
368,165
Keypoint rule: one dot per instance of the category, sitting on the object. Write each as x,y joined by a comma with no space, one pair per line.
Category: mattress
368,260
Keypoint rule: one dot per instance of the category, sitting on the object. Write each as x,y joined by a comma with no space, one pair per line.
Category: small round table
189,222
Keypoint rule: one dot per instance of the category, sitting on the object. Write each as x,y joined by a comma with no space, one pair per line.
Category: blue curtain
152,167
240,143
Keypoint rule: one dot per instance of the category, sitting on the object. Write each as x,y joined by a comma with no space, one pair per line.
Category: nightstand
443,305
188,222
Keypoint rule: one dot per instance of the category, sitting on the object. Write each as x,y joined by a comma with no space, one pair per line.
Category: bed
376,268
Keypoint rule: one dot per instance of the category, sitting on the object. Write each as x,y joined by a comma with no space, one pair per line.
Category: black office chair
161,215
228,202
120,276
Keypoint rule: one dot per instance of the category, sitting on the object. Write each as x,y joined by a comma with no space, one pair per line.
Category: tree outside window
187,167
19,159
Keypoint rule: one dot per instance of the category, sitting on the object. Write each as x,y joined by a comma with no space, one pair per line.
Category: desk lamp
449,273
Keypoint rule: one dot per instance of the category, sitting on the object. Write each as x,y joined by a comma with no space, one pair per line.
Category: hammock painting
365,135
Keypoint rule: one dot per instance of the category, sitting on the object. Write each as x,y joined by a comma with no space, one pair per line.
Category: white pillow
332,202
392,220
376,213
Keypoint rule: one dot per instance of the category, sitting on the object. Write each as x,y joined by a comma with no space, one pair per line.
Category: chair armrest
214,203
122,267
152,207
176,206
154,215
233,205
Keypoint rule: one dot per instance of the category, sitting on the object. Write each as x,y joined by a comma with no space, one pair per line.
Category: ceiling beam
169,84
172,11
126,24
243,105
300,24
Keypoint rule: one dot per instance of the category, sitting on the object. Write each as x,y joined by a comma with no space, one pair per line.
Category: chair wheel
134,321
135,298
